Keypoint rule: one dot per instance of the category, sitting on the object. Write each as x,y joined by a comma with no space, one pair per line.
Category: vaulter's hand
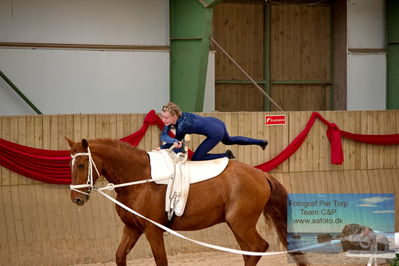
177,145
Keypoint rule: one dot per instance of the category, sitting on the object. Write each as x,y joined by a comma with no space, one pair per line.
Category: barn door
238,27
286,48
300,56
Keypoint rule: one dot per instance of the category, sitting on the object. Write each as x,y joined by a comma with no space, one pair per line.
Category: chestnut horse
237,196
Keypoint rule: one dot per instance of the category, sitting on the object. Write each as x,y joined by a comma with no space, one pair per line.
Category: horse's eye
81,166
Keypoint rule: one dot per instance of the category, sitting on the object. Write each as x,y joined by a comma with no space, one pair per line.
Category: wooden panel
238,28
10,241
300,51
48,132
237,97
4,216
301,97
339,18
30,139
5,134
41,224
300,46
14,138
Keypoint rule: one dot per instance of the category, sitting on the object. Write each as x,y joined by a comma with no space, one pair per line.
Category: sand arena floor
221,258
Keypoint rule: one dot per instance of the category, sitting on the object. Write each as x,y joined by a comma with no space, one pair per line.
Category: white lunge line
231,250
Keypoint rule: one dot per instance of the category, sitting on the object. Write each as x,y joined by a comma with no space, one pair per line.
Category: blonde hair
172,109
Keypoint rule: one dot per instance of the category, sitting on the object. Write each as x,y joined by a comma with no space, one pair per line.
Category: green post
190,29
20,93
392,16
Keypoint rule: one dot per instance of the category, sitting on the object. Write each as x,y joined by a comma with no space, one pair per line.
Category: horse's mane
123,146
121,155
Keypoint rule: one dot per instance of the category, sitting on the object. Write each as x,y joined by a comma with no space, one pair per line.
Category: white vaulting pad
162,166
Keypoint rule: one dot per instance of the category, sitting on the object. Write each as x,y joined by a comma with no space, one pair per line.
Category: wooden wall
340,39
41,226
300,51
291,45
238,27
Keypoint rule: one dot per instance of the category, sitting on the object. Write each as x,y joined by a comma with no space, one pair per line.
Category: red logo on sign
275,119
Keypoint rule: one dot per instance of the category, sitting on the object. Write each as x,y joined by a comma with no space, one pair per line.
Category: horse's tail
275,210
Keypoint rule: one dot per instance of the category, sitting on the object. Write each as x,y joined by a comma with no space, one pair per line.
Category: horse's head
85,170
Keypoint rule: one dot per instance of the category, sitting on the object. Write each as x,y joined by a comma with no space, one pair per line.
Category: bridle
89,183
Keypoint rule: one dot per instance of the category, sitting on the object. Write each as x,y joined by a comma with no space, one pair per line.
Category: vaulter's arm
168,140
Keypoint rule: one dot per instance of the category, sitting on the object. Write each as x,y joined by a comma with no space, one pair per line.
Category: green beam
393,77
190,29
20,93
277,82
392,16
239,81
301,82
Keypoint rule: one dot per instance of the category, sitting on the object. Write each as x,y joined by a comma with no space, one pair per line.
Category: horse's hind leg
129,239
249,240
243,246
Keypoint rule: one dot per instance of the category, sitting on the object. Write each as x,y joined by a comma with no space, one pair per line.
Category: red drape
334,135
52,166
44,165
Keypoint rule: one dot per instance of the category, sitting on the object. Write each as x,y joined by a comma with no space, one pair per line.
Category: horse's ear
85,144
70,142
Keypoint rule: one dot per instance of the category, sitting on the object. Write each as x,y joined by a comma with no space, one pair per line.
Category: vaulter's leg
129,239
229,140
155,238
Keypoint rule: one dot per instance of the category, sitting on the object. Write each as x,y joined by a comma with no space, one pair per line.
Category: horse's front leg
129,238
155,238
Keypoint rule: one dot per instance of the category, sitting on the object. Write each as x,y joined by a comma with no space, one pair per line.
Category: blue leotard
213,128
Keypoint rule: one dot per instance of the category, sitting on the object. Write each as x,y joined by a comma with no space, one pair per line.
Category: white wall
367,78
133,22
209,96
366,71
70,81
366,23
84,81
88,81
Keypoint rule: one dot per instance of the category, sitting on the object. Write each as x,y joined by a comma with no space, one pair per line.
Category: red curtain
52,166
334,135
